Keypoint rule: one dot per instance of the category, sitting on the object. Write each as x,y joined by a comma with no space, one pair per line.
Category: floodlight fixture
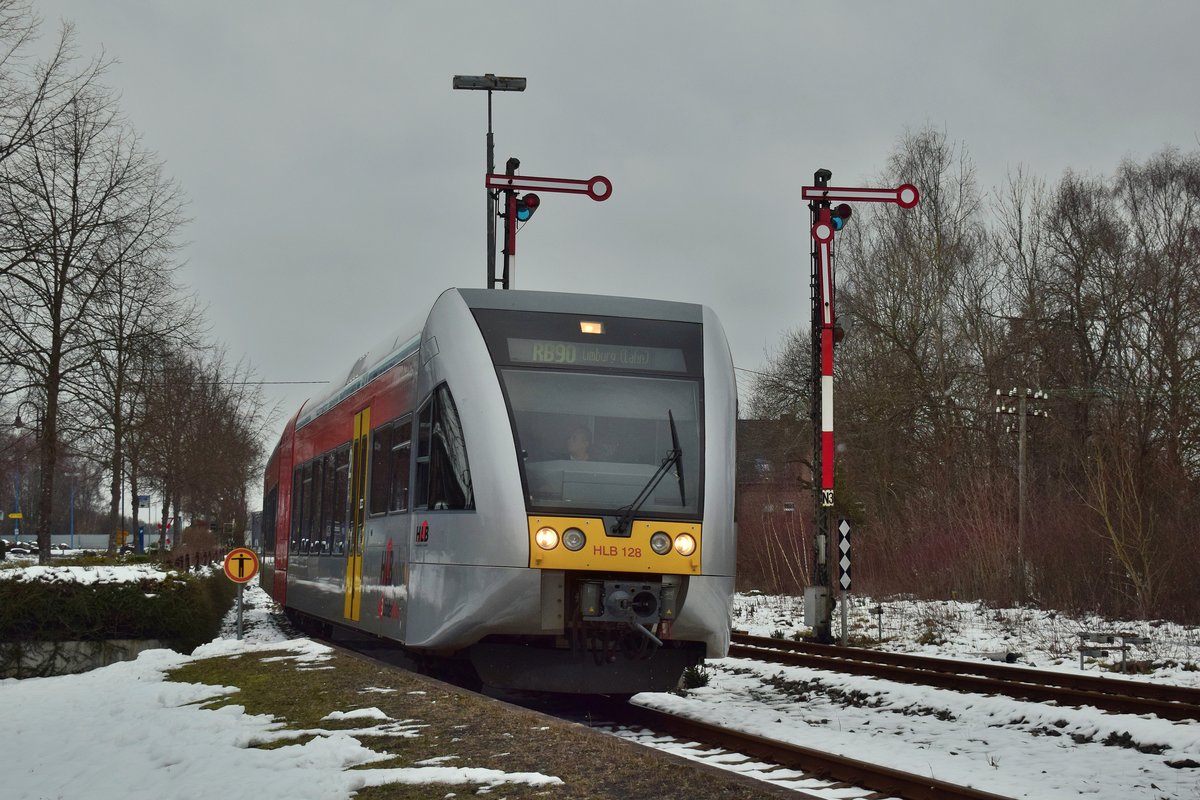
489,82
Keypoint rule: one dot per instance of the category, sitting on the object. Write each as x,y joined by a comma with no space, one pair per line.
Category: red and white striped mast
826,221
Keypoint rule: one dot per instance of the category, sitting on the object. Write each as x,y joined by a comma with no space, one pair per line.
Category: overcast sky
336,180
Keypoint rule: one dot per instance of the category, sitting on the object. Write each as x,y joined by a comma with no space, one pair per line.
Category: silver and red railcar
430,498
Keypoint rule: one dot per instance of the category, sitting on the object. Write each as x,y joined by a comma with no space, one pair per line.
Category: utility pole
1022,410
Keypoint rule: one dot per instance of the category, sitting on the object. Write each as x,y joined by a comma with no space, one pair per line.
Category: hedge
183,610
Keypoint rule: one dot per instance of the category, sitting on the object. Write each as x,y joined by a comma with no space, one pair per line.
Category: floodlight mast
490,83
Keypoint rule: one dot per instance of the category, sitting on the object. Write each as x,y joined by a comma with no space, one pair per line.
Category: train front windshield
602,408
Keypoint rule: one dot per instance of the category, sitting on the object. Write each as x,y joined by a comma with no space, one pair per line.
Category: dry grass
477,731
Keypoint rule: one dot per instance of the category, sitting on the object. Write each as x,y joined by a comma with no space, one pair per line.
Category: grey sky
335,178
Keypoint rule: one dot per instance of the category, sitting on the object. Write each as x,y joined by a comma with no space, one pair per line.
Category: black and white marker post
844,576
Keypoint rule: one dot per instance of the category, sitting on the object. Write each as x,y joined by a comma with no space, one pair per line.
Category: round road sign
241,565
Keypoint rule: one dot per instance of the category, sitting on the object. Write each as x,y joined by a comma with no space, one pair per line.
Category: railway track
1110,694
603,713
726,746
875,780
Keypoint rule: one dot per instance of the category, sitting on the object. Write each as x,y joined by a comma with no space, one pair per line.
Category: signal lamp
685,545
546,538
526,205
839,330
660,543
841,215
573,539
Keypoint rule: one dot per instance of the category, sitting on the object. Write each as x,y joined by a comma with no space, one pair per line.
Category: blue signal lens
841,214
526,205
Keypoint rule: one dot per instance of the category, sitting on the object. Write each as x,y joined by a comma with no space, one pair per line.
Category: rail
885,780
602,712
1111,694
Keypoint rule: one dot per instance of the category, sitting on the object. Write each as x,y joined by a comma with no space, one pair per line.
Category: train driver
579,443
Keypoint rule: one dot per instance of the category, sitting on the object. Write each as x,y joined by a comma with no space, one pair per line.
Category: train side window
325,534
341,497
424,426
401,455
381,469
317,542
297,506
312,499
449,475
270,514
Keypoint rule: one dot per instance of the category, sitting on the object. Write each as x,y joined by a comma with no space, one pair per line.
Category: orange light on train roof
591,327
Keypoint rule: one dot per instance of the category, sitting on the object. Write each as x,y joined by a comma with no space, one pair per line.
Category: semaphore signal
520,207
827,221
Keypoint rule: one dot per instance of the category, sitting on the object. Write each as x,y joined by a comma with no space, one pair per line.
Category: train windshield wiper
674,457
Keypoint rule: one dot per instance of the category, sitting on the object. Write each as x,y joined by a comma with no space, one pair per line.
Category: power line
235,383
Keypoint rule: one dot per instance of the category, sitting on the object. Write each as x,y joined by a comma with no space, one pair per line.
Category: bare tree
1118,496
1161,200
911,282
203,428
141,314
784,388
83,198
1089,289
35,96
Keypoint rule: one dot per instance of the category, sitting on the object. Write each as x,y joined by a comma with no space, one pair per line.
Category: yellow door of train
352,605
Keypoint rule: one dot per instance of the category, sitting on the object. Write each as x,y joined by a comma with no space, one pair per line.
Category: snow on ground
123,732
99,573
1009,747
136,725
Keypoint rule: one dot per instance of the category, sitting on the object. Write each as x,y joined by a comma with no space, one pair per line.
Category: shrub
182,610
694,677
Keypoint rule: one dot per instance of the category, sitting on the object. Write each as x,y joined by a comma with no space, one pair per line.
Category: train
539,485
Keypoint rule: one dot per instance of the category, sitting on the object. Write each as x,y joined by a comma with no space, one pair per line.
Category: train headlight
573,539
546,538
660,543
685,545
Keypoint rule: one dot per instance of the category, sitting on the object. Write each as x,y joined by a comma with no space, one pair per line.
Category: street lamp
490,83
18,423
73,477
37,415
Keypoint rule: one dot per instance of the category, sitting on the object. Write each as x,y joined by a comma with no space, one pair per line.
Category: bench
1097,644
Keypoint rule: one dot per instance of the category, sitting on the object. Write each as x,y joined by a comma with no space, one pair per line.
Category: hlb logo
423,532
